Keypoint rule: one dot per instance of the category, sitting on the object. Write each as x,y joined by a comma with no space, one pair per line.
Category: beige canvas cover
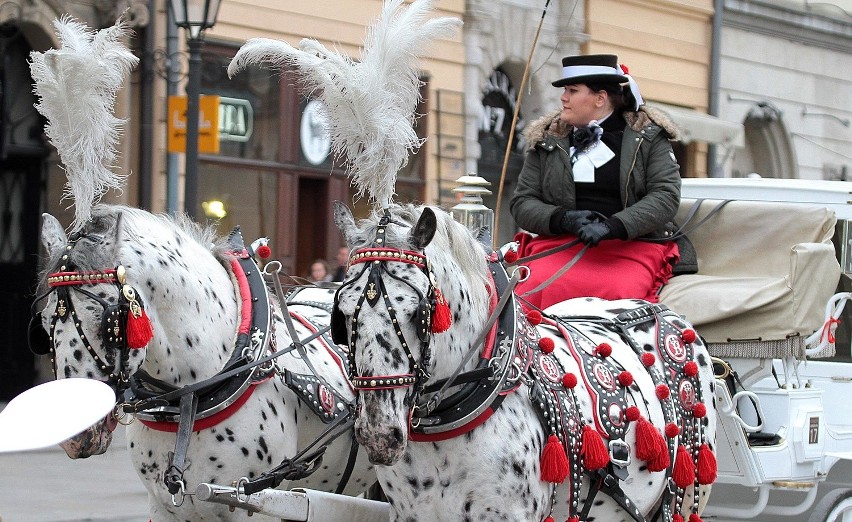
766,271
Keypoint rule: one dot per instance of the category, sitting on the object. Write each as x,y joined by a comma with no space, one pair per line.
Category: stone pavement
46,486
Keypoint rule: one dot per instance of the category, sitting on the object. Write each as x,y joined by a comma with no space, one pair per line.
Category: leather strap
173,476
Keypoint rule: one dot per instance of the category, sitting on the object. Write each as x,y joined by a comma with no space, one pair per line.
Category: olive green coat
649,173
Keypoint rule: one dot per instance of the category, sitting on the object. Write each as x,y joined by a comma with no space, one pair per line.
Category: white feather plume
76,86
371,102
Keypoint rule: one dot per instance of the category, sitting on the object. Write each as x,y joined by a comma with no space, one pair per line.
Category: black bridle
113,322
375,259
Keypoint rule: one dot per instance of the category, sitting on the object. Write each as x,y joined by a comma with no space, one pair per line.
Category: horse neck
468,299
193,308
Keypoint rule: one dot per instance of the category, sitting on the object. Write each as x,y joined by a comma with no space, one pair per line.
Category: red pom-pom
604,350
264,252
624,68
573,519
554,462
690,369
688,335
510,256
546,344
569,380
534,317
694,518
663,392
632,414
699,410
648,359
683,473
649,442
549,519
139,329
706,465
593,450
677,518
625,378
672,430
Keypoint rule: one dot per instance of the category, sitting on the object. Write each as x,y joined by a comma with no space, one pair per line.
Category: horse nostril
397,435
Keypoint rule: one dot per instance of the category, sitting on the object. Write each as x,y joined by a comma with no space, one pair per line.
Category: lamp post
470,211
195,16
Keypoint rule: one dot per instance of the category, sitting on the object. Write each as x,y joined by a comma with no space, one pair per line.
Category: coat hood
551,125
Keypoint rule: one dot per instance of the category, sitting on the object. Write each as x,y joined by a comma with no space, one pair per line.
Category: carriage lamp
470,211
195,16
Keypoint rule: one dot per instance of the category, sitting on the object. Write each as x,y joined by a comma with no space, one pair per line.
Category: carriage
601,397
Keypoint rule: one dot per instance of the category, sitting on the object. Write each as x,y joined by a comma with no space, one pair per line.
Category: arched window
768,151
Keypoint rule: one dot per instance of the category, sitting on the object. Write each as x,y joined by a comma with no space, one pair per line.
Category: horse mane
99,234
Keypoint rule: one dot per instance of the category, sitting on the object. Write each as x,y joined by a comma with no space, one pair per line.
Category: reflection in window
244,197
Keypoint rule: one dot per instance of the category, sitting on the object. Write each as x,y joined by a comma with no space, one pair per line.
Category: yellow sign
208,124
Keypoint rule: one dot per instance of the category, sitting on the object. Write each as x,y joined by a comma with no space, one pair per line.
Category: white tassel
76,86
370,103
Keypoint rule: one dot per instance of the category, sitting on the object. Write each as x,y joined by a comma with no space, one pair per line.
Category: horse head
82,318
101,300
391,304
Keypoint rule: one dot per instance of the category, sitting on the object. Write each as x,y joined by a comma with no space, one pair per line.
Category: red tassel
706,465
442,318
677,518
594,452
694,518
662,461
554,462
139,329
573,519
684,469
549,519
649,441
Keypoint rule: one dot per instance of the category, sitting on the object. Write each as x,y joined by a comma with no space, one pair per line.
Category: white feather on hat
371,102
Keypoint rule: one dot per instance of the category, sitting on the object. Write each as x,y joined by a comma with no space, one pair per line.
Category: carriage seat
765,273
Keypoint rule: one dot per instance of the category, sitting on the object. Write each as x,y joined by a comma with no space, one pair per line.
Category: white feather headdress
371,102
76,86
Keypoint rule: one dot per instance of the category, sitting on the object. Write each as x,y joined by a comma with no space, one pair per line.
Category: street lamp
195,16
470,211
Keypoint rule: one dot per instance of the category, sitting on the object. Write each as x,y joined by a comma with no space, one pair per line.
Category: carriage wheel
836,506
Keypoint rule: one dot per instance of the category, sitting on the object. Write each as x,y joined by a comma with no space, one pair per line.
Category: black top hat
590,68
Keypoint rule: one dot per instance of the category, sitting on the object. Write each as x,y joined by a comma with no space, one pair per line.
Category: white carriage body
784,445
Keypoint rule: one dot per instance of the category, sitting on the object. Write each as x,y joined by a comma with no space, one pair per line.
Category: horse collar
217,401
505,356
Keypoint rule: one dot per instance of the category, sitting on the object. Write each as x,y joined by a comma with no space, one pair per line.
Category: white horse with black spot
219,379
475,410
209,317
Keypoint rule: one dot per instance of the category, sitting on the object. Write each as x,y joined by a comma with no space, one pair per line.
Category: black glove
573,220
594,233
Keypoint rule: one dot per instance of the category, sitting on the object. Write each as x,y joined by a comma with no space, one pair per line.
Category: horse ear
424,230
53,236
344,221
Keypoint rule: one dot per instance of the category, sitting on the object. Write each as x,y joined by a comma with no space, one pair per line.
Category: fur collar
551,125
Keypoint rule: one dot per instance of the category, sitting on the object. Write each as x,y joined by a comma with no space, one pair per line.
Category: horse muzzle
384,445
92,441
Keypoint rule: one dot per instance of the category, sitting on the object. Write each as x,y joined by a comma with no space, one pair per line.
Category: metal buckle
619,453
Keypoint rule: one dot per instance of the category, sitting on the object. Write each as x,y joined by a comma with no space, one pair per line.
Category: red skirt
615,269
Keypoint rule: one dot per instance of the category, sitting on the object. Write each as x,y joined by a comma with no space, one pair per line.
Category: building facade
785,75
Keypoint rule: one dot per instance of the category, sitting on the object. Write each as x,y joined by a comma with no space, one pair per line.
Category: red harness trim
245,295
444,435
207,422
